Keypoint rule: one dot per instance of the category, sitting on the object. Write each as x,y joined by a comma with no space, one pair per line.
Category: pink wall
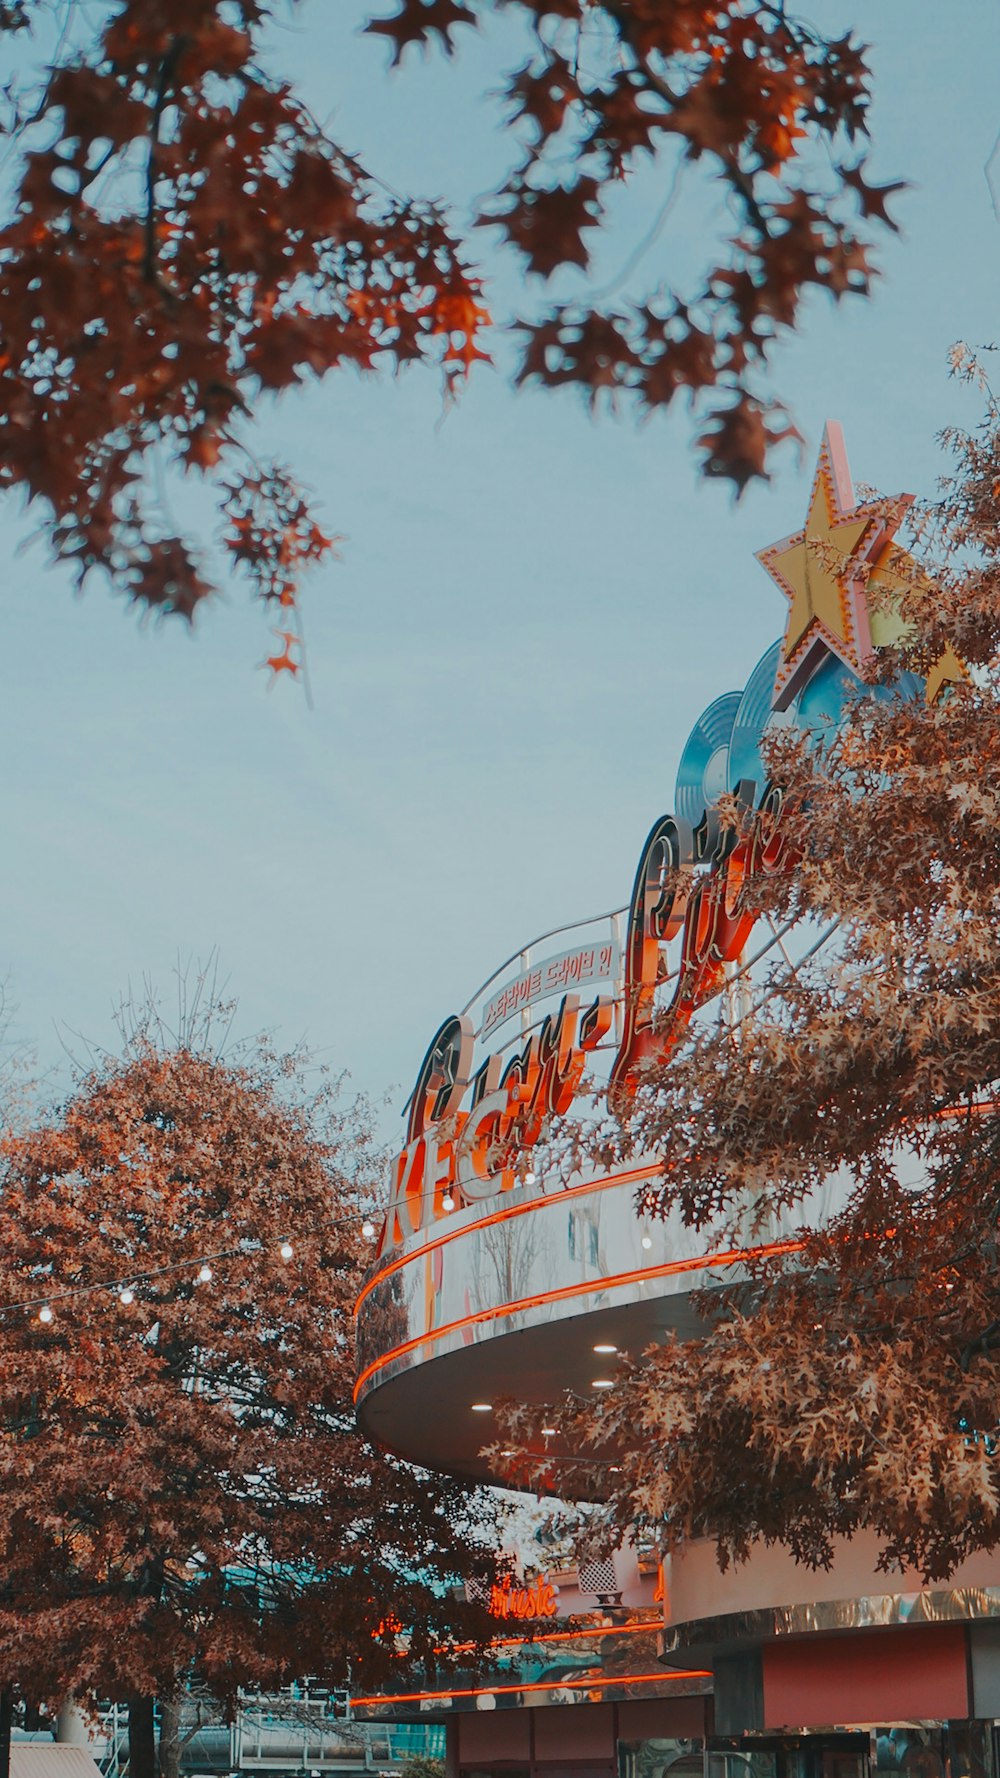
585,1731
493,1734
640,1718
697,1588
873,1676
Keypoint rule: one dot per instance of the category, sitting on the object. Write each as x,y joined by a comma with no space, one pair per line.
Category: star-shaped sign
824,570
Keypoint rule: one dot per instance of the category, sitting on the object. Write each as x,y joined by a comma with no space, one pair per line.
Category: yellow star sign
824,571
893,571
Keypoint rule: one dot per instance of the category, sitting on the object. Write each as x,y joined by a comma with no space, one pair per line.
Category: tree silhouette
184,240
186,1494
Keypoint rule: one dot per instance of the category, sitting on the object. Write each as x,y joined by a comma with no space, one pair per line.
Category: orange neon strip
630,1177
459,1648
540,1685
565,1291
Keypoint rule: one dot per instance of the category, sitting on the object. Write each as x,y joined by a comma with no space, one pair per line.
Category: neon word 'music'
465,1130
538,1600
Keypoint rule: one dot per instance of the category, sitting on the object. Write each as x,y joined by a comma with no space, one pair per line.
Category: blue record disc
818,709
820,704
701,775
752,718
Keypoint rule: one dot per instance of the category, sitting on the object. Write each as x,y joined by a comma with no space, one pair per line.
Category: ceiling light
603,1383
606,1348
482,1407
548,1431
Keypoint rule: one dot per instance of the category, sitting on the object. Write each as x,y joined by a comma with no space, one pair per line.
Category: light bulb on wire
647,1241
286,1250
45,1313
205,1275
447,1202
127,1295
368,1229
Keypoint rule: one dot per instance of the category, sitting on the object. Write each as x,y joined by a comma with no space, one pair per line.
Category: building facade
500,1275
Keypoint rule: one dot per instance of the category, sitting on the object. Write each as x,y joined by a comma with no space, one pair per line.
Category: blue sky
531,611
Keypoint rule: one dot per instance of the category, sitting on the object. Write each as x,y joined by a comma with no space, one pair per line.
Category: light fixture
647,1241
205,1275
45,1313
368,1229
608,1348
603,1383
548,1431
529,1178
127,1295
482,1407
286,1250
447,1202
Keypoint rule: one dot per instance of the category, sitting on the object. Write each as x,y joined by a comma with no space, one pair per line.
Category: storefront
494,1276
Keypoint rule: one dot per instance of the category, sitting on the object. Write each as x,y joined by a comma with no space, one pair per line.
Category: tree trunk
141,1742
6,1718
72,1727
170,1737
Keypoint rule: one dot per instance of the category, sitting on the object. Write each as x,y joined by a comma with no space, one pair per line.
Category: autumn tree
850,1384
184,240
186,1497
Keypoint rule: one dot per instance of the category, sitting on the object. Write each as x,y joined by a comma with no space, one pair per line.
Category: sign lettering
465,1131
538,1600
588,963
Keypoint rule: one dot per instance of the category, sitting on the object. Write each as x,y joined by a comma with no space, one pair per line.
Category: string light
529,1178
647,1241
119,1287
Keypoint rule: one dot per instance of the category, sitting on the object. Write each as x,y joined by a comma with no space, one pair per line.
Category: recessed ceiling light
548,1431
482,1407
606,1348
603,1383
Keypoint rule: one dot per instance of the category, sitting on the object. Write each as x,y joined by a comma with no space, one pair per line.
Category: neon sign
697,876
535,1601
